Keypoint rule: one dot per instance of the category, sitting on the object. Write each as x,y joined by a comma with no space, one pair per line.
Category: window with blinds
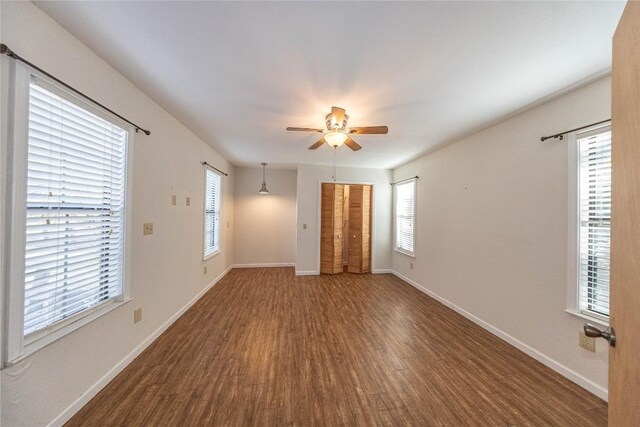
405,216
75,205
594,221
212,212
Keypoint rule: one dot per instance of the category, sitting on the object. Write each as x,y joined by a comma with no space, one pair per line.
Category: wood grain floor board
266,347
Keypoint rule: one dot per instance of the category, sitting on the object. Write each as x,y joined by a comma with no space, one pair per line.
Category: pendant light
264,190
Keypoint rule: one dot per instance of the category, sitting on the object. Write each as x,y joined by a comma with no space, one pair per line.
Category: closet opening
345,228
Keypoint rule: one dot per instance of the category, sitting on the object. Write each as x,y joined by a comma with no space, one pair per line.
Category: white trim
573,376
573,225
382,271
403,252
16,345
127,274
212,254
591,319
43,338
71,410
216,249
265,265
16,217
573,234
307,273
395,219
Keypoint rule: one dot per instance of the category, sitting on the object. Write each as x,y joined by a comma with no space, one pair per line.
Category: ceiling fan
337,132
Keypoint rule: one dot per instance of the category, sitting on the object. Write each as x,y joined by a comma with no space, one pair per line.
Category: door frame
373,216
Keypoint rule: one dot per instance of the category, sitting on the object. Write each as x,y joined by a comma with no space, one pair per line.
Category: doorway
345,228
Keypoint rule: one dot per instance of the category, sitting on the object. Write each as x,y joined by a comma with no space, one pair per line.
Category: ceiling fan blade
317,144
304,129
338,114
370,130
352,144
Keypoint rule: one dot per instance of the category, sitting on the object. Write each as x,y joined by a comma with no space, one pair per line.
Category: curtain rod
403,180
562,134
4,49
215,168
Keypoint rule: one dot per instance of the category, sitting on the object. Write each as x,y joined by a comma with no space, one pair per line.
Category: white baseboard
583,382
382,271
307,273
71,410
265,265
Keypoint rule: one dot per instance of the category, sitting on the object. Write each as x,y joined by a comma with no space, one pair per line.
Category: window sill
410,254
211,255
45,338
591,319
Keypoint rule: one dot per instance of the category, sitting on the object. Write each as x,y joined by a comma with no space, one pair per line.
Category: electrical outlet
304,226
148,228
586,342
205,269
137,315
228,224
411,266
174,200
188,201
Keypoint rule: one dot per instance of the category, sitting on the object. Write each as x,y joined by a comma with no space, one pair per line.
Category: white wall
167,267
308,241
492,229
265,231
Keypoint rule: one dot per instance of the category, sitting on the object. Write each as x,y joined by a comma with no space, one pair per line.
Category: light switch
304,226
148,228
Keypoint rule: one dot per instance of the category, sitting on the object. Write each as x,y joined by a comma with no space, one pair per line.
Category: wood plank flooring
265,347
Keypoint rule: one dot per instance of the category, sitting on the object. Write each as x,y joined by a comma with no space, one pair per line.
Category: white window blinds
74,208
595,221
405,216
212,212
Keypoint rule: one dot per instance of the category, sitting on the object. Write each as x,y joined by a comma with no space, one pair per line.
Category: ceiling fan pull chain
334,163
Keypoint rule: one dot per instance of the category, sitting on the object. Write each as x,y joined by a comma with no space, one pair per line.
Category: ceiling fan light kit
336,139
338,133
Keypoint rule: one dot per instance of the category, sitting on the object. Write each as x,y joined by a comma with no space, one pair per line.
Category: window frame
206,256
395,217
17,345
573,222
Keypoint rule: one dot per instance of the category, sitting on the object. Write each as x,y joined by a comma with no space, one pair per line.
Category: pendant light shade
263,190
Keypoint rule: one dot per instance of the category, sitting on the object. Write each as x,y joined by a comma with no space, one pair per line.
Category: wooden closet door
624,363
331,228
366,229
359,229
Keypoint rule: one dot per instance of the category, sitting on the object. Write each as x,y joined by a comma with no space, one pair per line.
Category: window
594,221
212,213
68,213
405,216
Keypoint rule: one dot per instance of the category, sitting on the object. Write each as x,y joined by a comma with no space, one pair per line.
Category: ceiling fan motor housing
334,124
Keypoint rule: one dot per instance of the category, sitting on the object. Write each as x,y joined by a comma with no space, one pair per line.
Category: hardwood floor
265,347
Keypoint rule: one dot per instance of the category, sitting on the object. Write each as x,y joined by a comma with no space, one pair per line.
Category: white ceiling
238,73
